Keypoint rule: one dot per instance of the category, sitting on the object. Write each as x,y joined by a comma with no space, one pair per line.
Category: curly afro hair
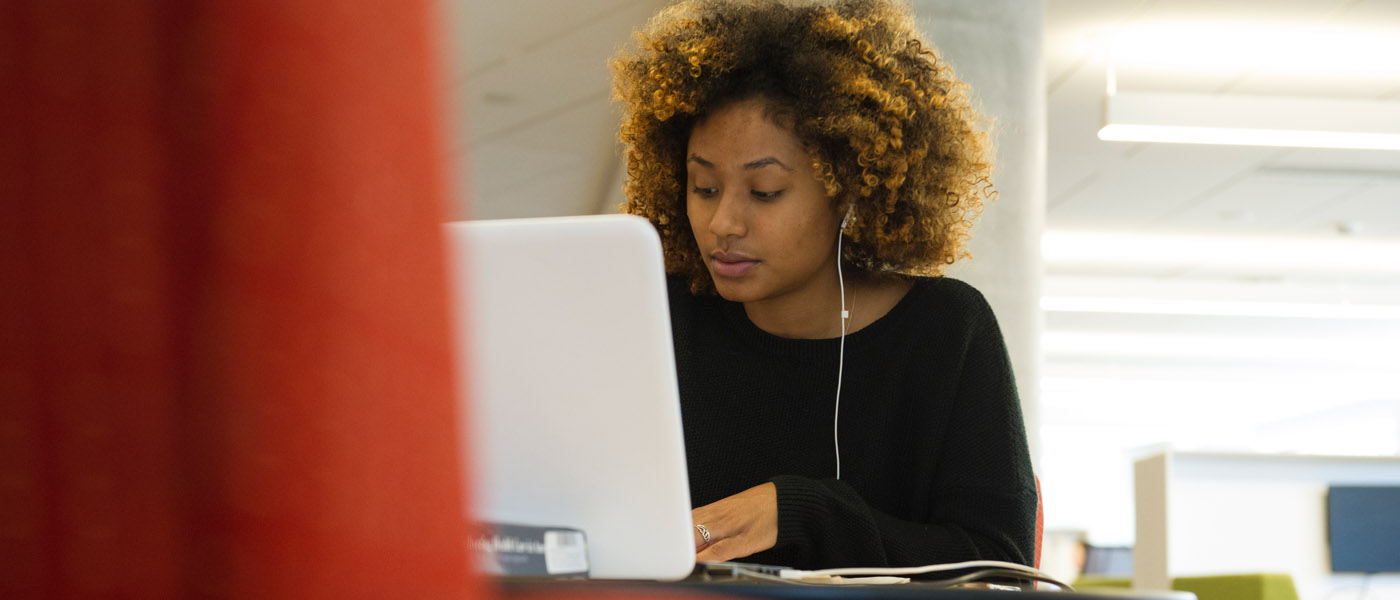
889,128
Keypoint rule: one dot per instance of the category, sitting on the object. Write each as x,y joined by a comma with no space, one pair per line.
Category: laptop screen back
569,385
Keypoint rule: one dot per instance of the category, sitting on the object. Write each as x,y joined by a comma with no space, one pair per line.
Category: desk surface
527,590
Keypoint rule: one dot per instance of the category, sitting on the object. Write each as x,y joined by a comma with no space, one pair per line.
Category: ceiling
1235,191
1311,236
535,128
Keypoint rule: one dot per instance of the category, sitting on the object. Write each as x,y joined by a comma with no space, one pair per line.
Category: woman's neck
816,314
799,317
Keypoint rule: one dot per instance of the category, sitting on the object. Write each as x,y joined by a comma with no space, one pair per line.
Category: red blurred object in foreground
224,342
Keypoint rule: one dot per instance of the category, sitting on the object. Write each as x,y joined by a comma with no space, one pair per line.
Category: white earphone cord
841,354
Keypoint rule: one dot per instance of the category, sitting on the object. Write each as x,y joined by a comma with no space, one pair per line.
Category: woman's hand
739,525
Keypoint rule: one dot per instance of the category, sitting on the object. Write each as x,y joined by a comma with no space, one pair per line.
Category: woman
811,170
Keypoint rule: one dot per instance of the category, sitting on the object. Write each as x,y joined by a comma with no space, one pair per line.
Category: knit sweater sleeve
982,502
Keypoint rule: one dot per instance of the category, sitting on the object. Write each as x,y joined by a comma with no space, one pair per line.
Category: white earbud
850,218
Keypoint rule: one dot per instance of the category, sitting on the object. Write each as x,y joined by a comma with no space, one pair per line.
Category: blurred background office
1227,294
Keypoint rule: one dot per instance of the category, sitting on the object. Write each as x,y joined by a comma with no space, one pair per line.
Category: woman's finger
699,530
718,551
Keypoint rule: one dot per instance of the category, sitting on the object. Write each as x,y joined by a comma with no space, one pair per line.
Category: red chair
223,321
1039,520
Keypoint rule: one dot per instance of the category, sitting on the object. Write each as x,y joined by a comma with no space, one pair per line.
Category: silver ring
704,532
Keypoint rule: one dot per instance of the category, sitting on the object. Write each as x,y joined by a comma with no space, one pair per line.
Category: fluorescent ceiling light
1234,47
1061,248
1229,308
1226,136
1250,120
1358,353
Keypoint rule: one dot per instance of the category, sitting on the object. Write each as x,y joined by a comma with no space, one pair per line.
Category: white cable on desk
902,571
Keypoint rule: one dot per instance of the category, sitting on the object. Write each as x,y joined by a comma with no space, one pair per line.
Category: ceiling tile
566,191
490,30
544,76
1147,183
502,165
1256,205
1372,212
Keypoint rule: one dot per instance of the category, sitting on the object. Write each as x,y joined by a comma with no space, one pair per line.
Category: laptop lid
564,337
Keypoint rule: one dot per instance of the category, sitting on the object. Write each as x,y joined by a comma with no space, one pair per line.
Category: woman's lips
731,264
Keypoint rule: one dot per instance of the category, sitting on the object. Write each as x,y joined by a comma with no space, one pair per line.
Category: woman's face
762,220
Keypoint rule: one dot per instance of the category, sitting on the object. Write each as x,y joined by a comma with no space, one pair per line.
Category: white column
995,46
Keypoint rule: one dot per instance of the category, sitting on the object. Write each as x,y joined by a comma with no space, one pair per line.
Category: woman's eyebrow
748,166
765,161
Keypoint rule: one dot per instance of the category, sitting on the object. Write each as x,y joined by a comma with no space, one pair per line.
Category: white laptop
569,386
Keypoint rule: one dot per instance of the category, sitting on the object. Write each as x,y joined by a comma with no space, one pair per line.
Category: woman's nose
728,219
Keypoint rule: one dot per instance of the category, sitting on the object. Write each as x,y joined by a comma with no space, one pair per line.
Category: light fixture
1220,308
1228,48
1068,249
1272,54
1250,120
1352,352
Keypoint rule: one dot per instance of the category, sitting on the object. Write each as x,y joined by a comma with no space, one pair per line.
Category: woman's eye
762,195
704,192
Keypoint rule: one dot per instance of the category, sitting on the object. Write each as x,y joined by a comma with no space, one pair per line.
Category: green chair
1090,582
1258,586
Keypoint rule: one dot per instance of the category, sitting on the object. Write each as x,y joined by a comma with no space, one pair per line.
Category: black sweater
934,464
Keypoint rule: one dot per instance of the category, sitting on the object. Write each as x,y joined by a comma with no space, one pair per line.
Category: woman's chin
734,291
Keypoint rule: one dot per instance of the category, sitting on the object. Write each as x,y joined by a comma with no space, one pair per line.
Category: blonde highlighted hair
890,130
